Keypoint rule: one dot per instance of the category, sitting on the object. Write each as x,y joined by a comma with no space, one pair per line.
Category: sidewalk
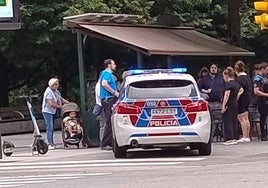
25,154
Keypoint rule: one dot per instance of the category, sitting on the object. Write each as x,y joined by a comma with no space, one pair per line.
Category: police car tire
205,149
119,152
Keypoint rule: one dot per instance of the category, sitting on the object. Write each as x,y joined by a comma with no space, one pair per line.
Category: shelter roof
151,39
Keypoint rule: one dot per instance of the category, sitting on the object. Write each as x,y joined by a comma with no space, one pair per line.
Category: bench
17,120
8,114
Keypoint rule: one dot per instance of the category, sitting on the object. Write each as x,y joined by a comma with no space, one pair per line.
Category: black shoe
107,148
263,138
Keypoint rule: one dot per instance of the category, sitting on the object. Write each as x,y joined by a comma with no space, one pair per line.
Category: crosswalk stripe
22,180
37,179
97,163
107,161
88,165
57,175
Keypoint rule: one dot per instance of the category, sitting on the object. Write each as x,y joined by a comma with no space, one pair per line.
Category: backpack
97,107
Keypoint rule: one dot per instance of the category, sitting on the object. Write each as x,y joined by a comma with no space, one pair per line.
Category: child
71,123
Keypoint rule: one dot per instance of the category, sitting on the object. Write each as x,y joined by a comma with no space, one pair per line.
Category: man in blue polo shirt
108,96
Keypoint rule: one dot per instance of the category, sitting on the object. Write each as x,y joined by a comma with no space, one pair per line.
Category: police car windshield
161,89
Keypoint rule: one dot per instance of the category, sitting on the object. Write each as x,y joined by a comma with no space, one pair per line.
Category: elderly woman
52,100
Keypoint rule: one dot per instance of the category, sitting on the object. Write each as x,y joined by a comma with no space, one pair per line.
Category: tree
43,48
204,15
36,52
234,22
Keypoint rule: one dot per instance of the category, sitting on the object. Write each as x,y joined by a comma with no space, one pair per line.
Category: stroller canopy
70,107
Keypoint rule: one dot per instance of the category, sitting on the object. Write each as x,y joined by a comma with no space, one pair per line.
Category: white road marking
22,180
88,165
56,175
97,163
35,179
182,159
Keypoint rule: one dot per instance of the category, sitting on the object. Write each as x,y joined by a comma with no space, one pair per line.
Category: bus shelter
149,40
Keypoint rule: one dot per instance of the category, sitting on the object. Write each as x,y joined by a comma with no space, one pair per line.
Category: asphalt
256,147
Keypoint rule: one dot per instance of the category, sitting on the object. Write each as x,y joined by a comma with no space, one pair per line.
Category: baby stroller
76,136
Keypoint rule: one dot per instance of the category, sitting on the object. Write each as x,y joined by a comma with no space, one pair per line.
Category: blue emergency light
179,70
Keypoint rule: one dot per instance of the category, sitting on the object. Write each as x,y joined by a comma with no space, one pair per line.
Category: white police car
160,108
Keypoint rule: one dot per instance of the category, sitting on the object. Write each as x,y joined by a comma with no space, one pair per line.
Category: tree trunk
233,24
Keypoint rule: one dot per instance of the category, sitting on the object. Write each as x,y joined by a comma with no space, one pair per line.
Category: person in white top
52,100
101,117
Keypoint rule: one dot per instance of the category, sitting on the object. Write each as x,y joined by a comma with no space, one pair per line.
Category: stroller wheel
66,146
85,145
7,148
42,146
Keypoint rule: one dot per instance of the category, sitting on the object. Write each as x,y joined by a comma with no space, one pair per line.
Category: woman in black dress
229,106
244,100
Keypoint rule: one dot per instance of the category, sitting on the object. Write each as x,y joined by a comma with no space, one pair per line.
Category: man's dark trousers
107,105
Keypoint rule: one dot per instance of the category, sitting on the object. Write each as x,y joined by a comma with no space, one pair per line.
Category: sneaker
230,142
243,140
107,148
51,147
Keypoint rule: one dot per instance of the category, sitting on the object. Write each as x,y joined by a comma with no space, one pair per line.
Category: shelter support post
89,127
81,73
139,59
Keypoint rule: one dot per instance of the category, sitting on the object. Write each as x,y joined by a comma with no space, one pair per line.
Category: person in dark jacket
260,83
213,85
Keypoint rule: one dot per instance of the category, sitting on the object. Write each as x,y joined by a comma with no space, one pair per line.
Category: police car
160,108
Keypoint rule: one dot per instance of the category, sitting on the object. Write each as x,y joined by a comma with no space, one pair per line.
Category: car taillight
197,106
128,109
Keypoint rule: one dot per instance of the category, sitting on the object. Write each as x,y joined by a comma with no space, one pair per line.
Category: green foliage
42,48
249,30
204,15
138,7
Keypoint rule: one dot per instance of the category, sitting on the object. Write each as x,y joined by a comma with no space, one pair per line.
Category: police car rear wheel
119,152
205,149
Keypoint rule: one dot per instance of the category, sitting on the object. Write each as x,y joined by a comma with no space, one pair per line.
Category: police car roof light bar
151,71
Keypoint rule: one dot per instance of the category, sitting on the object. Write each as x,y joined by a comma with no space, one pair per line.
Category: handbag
97,110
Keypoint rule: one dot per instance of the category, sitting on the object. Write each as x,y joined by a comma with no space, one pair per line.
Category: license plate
164,111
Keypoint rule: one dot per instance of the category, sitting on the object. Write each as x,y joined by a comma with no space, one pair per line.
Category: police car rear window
161,89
